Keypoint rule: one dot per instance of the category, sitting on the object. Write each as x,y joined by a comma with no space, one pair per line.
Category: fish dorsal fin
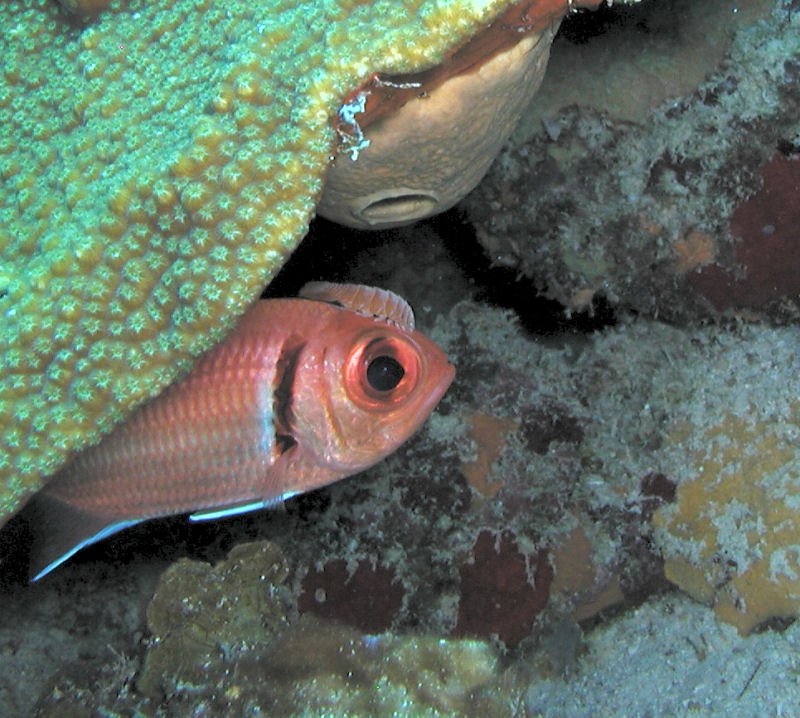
379,304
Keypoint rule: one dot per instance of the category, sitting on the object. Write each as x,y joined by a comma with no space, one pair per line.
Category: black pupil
384,373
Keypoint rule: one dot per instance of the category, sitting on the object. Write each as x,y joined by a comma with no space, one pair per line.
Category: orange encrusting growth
489,434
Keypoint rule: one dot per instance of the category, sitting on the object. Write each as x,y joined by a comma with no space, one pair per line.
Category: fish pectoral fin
243,508
61,530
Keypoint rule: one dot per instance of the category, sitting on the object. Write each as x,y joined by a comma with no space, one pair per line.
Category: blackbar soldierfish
303,392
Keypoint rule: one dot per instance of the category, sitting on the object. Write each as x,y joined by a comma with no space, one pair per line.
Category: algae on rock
638,213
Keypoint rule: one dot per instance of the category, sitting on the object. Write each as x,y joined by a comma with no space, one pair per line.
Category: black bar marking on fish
283,392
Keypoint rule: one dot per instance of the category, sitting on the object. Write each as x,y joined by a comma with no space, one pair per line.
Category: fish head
369,386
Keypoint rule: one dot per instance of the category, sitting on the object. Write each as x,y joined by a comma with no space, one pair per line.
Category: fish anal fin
61,530
379,304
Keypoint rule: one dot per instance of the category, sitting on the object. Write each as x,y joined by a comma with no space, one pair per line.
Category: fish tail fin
60,530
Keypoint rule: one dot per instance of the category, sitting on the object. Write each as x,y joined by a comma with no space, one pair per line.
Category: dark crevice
645,18
334,253
506,287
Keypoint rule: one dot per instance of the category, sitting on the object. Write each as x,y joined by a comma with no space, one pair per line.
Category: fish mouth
435,392
394,435
443,384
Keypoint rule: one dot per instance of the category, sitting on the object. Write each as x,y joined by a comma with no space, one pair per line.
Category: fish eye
384,373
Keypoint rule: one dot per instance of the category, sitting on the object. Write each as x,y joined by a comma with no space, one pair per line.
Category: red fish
303,392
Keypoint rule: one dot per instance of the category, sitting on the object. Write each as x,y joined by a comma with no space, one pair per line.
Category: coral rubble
201,613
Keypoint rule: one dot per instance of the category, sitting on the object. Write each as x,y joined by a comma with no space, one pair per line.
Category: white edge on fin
99,536
372,302
220,513
122,525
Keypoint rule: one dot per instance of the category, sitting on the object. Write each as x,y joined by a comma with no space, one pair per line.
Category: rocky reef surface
485,553
648,192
